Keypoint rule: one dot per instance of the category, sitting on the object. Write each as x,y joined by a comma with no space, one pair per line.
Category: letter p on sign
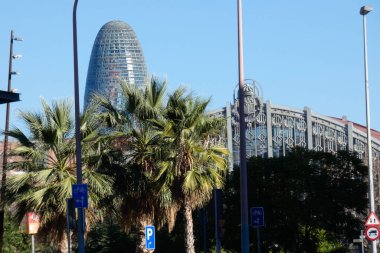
150,238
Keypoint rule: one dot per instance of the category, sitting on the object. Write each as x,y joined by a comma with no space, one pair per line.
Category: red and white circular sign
372,233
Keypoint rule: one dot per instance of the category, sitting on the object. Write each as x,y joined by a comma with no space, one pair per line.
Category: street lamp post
78,152
243,163
364,11
5,149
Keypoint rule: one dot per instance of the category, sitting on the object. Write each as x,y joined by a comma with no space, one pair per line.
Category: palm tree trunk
63,245
144,221
189,231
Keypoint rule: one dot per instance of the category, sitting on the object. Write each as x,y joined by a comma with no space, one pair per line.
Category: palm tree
171,159
128,128
47,167
194,165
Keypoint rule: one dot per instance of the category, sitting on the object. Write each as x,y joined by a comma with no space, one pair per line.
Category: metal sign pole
258,240
68,225
32,243
217,235
203,228
362,240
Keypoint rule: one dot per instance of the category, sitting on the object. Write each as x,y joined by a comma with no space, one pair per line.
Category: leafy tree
326,245
304,193
47,167
15,240
108,237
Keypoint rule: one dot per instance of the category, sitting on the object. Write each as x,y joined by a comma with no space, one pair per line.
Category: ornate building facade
272,130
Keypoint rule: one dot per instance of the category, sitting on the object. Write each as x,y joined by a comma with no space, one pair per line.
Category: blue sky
303,53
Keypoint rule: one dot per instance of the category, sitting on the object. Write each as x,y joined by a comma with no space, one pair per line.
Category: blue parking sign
80,195
257,216
150,241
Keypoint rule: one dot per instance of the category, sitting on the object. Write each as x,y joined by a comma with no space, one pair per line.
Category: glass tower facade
116,56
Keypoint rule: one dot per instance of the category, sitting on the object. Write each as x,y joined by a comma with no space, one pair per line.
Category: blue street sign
150,238
257,216
80,195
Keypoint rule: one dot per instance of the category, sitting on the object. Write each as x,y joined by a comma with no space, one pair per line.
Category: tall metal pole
81,211
362,241
258,240
203,218
205,237
5,149
364,11
68,225
217,226
243,164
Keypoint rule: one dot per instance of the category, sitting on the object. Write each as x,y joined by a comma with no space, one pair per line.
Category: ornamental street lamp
364,11
5,150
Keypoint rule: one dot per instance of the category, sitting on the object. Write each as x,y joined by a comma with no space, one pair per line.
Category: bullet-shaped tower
116,55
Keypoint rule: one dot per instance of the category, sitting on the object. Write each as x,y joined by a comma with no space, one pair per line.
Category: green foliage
282,186
193,166
303,193
47,152
15,240
170,160
136,200
106,238
325,244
